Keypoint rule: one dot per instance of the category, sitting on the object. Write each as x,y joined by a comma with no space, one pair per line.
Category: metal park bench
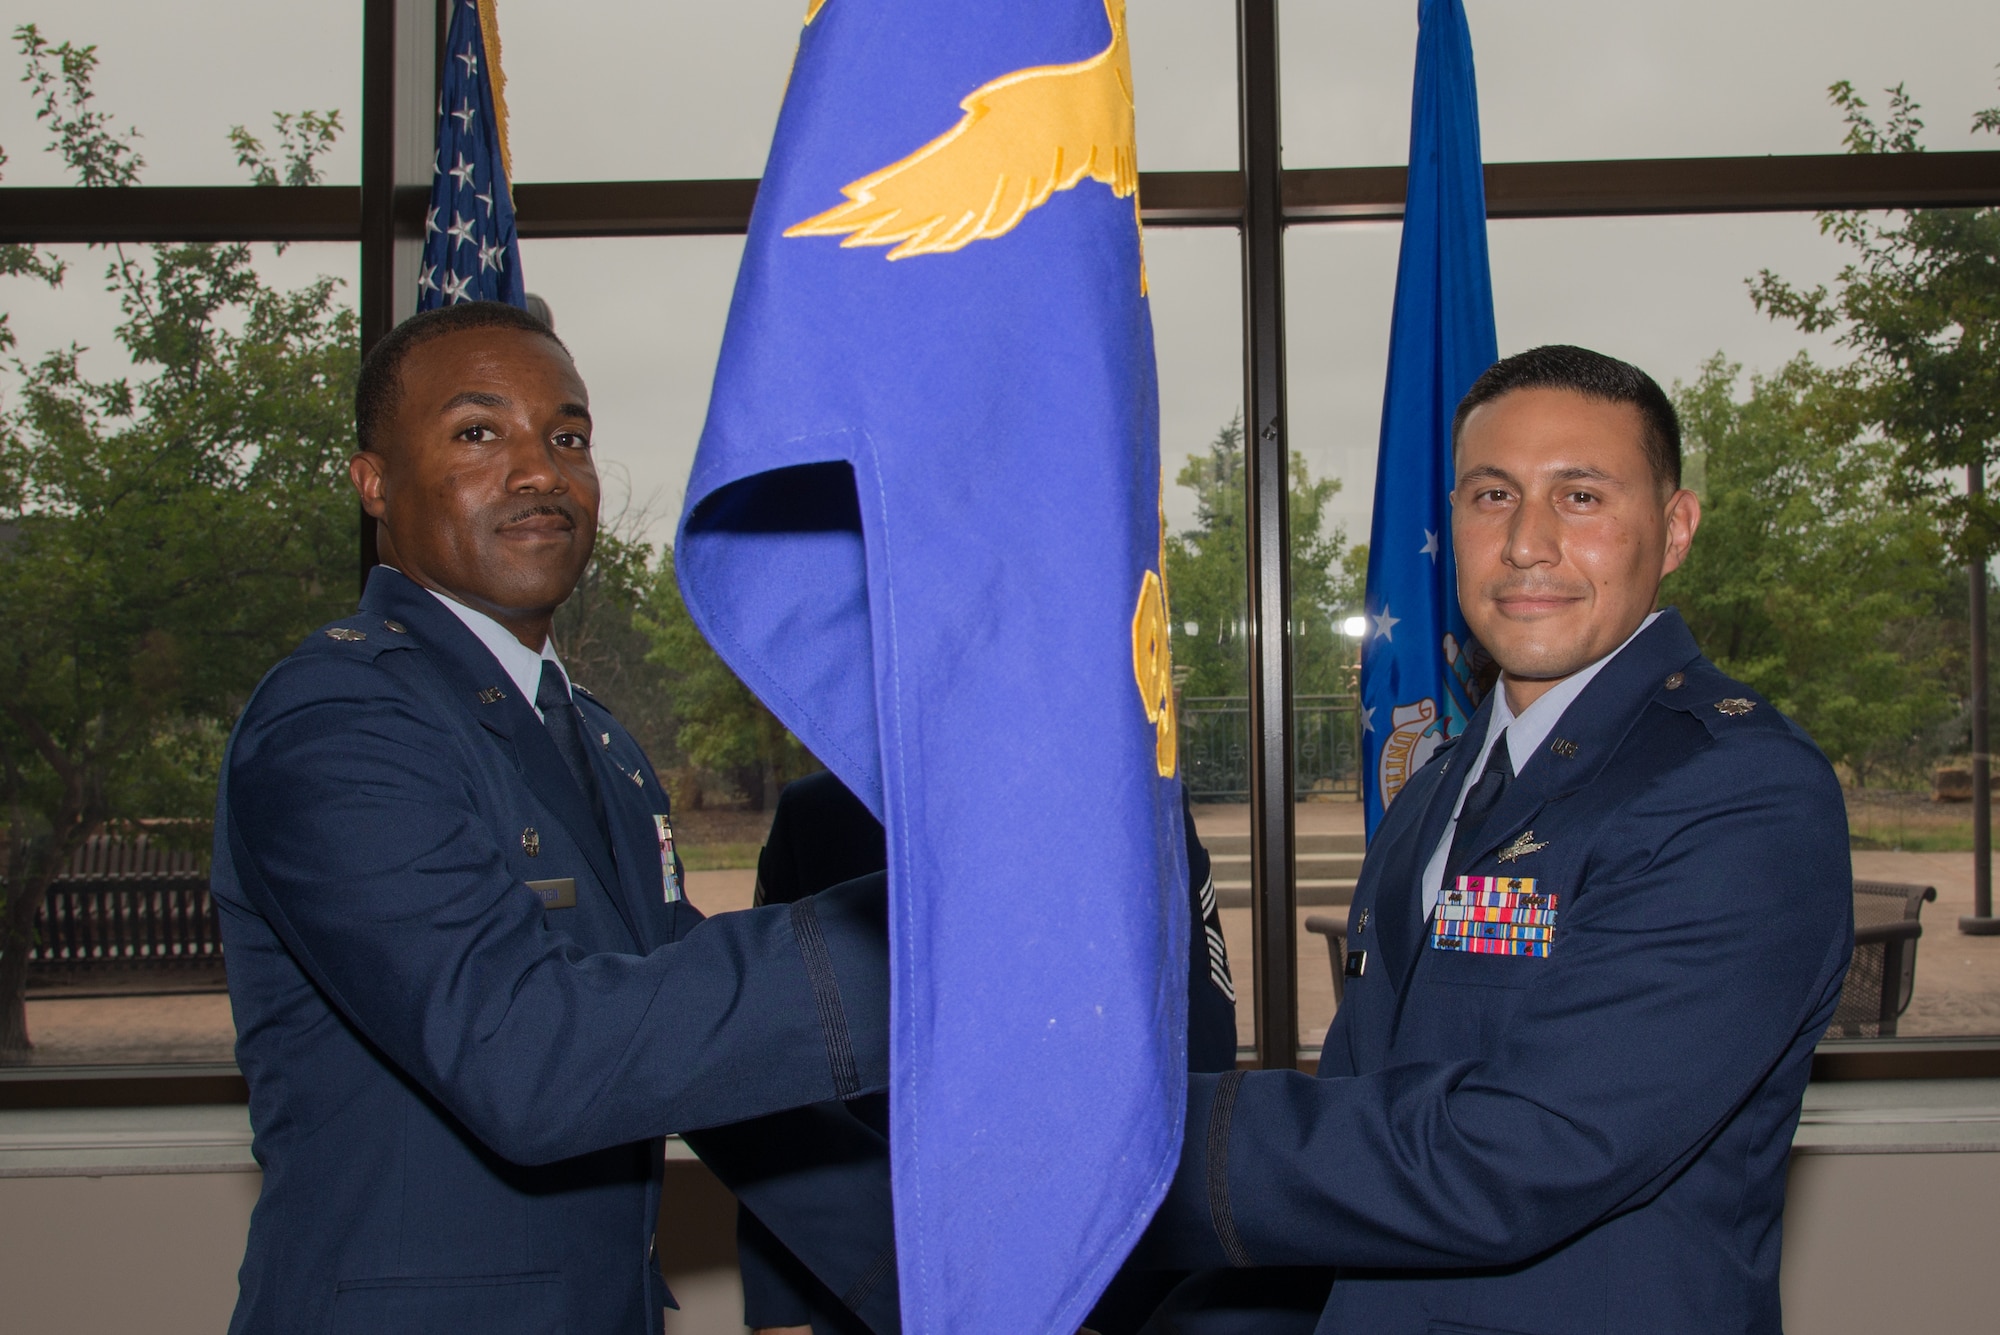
1884,972
127,907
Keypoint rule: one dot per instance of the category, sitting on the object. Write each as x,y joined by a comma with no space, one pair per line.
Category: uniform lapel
1584,739
635,841
473,675
1400,911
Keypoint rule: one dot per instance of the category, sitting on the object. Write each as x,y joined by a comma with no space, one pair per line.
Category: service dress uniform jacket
1591,1135
467,1010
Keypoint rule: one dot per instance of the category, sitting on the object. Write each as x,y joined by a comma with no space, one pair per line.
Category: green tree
1919,305
721,727
164,536
604,647
1816,577
1207,582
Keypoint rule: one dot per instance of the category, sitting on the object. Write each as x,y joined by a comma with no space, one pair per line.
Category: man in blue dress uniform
1591,950
470,994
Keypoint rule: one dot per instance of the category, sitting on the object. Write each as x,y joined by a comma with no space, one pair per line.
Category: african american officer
469,992
1594,943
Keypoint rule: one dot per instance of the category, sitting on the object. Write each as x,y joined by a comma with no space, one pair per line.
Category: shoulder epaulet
1723,704
587,694
364,634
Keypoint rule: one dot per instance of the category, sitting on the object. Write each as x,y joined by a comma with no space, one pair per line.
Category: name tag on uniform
1494,915
670,872
557,894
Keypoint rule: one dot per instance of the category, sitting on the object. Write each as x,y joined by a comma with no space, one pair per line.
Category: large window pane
1196,287
183,75
179,444
1184,82
641,92
1574,79
1670,295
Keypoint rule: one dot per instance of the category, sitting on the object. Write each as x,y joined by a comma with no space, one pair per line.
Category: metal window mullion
399,82
1273,892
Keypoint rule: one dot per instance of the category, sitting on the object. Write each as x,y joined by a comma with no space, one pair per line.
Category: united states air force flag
470,251
1417,660
923,525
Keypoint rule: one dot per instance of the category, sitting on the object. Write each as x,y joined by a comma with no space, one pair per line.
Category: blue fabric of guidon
1416,668
923,526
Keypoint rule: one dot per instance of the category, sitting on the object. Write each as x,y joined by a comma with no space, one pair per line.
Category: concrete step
1307,866
1238,845
1334,892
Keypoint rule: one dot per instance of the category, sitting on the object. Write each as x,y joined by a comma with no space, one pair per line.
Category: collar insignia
1521,847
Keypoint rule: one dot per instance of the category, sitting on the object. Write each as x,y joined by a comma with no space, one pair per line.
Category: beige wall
1873,1243
156,1254
96,1255
1878,1243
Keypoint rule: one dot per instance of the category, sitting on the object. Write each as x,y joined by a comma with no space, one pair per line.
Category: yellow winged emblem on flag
1024,136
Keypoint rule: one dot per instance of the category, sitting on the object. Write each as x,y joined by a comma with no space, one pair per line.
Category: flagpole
1981,921
1272,888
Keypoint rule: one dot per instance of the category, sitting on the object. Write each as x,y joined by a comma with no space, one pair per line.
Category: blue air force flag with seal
923,525
470,250
1417,669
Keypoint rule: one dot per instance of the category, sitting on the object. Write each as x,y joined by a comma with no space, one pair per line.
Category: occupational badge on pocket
1494,915
670,872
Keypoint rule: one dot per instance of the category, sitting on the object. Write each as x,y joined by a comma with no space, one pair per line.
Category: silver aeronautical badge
1521,847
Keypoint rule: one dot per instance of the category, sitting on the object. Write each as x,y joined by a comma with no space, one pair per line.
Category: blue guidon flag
470,250
924,526
1417,660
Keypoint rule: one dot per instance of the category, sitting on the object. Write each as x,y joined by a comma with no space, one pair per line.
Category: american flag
470,250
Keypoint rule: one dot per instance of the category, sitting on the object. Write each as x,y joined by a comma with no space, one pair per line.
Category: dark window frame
384,214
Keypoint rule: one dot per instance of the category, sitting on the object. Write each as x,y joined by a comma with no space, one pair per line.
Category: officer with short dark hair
1593,945
470,993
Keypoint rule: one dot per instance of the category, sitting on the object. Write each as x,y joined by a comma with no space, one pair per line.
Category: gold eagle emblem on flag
1024,136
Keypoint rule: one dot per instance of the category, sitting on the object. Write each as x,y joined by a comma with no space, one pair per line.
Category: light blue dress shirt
1525,733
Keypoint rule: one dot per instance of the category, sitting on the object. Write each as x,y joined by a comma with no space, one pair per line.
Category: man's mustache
541,508
1534,588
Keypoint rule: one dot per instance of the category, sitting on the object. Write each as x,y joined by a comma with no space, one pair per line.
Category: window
642,301
234,62
1706,78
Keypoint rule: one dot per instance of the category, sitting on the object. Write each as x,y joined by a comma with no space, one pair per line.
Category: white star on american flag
487,200
455,286
427,280
466,111
471,61
431,221
491,257
463,172
460,231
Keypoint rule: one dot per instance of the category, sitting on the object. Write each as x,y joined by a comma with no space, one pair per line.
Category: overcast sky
620,89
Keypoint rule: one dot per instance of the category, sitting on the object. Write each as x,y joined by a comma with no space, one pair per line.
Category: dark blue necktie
566,731
1479,803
